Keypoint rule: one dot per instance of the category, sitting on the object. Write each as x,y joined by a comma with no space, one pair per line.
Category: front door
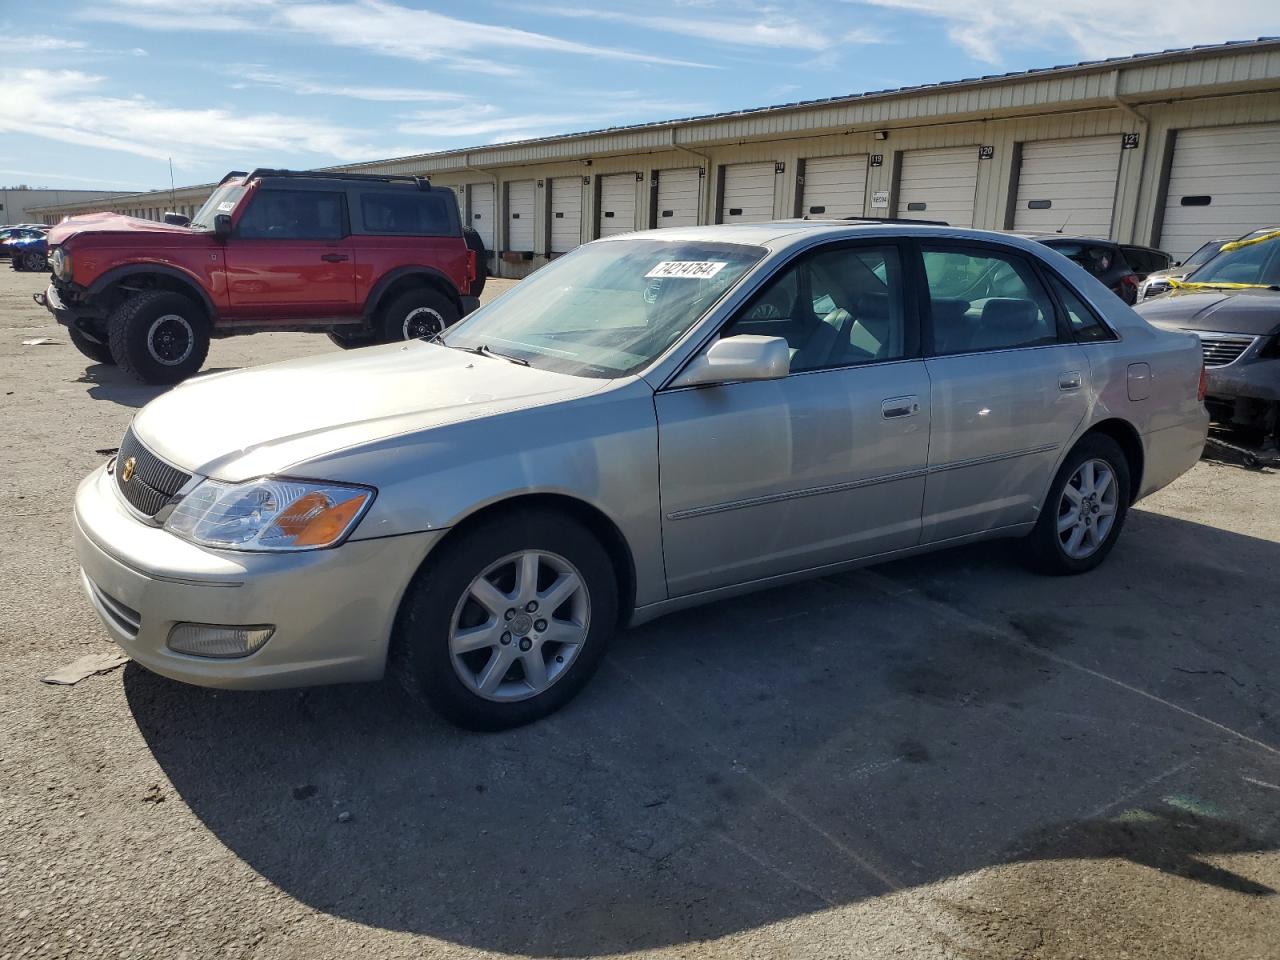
1009,387
825,465
291,257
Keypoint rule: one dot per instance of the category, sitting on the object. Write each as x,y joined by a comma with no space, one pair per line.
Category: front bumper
1252,377
52,302
332,610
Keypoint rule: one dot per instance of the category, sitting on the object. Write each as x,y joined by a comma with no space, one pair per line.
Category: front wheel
95,350
159,337
35,262
1085,509
417,313
507,623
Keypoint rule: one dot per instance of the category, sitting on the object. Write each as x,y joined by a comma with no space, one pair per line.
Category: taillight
1203,390
1131,279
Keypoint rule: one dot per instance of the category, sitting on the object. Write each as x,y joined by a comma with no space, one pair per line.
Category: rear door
291,257
481,212
833,186
824,465
566,214
1008,388
938,185
1068,184
520,216
747,192
617,210
677,199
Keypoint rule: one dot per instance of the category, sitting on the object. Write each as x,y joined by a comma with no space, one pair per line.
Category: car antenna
1064,223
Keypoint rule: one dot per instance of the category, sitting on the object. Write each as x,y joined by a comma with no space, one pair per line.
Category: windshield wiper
485,350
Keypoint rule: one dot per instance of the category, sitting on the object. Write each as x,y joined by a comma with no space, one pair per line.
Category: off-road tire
95,350
422,309
351,341
419,658
1043,549
133,334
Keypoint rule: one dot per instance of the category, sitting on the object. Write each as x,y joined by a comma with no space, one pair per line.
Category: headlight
60,263
269,514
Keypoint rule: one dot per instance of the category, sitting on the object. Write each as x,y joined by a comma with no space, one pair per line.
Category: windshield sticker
695,269
226,206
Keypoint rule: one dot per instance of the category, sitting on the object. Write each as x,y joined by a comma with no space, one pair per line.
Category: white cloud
768,29
48,176
208,15
987,29
482,120
308,86
147,128
39,43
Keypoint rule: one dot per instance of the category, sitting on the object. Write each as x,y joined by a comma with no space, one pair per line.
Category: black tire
95,350
35,262
420,312
1045,550
420,657
159,337
474,243
351,341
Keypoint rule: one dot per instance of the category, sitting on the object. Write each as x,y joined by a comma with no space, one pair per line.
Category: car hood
1169,273
241,424
110,223
1252,312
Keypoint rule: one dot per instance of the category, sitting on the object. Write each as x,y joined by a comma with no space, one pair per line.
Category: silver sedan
653,421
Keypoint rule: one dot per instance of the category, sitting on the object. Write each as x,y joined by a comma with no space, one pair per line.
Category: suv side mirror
744,357
222,226
176,219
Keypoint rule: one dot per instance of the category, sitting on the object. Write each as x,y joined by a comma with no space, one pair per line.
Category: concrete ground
942,757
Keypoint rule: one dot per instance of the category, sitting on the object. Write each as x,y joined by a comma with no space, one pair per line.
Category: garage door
939,185
520,203
1224,182
748,193
482,212
1071,182
566,214
677,204
617,204
834,187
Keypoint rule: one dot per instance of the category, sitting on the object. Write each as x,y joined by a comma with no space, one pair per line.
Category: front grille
1221,349
151,481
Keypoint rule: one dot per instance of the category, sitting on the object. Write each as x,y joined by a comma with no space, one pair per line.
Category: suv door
1009,387
825,465
403,226
290,257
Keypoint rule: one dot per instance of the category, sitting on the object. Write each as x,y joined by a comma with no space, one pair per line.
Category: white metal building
1170,149
21,204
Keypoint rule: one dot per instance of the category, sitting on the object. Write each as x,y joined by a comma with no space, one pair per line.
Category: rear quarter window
413,214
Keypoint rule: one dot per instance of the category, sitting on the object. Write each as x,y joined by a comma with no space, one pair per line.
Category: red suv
366,259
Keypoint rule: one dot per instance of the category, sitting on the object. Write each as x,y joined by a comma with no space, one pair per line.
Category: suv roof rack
422,183
927,223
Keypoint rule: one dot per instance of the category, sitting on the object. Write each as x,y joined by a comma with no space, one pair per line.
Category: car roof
784,234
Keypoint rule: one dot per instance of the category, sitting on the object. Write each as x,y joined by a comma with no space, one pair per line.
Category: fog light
212,640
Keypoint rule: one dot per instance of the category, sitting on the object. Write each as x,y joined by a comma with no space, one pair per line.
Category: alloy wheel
422,322
1087,510
170,339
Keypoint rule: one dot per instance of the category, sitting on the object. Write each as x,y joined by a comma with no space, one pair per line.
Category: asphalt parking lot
941,757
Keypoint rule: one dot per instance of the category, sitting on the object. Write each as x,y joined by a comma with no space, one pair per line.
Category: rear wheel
95,350
33,261
1085,509
159,337
421,312
508,622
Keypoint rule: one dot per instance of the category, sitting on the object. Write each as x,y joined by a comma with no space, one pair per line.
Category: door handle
900,407
1069,380
334,257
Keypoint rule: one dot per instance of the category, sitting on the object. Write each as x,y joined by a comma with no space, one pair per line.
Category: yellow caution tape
1237,244
1188,285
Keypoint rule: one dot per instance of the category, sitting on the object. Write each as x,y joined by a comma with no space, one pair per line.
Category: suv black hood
1253,312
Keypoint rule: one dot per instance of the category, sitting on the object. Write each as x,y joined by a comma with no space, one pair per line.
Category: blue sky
102,93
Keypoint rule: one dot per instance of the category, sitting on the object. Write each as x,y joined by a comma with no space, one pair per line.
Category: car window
1206,253
1256,263
981,299
293,215
1144,260
421,214
1086,326
835,308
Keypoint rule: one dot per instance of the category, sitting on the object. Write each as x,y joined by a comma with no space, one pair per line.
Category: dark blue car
30,253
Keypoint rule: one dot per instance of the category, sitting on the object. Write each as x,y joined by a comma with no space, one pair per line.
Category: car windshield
607,309
1204,254
1255,263
223,200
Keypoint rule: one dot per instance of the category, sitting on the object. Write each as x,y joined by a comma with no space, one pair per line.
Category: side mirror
744,357
176,219
1177,263
222,226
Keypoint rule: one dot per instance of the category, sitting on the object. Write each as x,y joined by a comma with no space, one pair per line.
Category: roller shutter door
566,214
520,204
482,212
834,187
617,204
677,204
1070,182
1223,182
748,193
939,185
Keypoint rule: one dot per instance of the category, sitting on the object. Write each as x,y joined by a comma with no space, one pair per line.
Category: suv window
1085,325
981,299
835,308
421,214
294,215
1144,260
